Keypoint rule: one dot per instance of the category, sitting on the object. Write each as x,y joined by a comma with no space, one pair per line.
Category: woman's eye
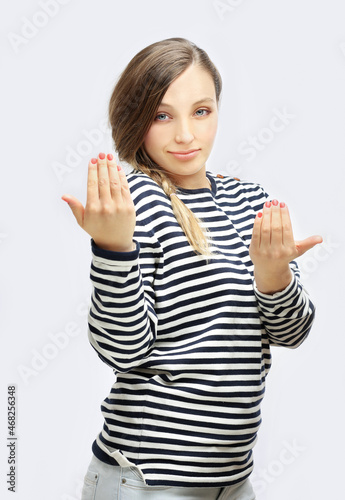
161,117
202,112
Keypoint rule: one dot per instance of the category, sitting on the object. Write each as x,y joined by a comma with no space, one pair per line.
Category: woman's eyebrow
206,99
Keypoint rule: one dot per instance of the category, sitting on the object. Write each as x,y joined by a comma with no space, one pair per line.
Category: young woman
193,279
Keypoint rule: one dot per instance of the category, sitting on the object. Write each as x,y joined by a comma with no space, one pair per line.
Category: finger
266,226
276,224
76,207
126,193
114,178
103,179
288,238
255,241
92,195
123,185
305,245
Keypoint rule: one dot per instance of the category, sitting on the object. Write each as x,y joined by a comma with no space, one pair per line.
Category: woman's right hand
109,214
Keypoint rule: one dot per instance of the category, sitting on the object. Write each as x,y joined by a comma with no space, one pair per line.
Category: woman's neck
196,181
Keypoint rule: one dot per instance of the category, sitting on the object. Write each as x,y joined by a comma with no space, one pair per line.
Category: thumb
76,207
305,245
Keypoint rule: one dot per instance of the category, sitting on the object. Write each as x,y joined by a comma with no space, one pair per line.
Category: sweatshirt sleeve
122,319
287,315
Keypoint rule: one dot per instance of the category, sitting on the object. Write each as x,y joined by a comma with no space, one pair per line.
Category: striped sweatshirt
188,338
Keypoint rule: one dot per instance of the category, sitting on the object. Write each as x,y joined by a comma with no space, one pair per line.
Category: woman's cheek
211,131
151,139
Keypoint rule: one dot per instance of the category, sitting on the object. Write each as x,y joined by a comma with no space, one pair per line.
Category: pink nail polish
110,157
94,160
101,156
282,204
268,204
275,202
260,215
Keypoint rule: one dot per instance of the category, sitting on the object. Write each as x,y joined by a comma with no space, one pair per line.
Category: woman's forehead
195,84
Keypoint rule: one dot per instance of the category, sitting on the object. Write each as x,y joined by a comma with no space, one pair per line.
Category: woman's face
181,136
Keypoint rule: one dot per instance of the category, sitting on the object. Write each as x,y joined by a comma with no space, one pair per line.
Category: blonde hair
132,109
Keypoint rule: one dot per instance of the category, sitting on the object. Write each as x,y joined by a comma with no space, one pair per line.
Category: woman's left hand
273,246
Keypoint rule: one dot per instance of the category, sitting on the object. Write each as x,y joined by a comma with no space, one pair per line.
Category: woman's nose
184,133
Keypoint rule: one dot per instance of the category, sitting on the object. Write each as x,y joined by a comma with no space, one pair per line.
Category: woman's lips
185,156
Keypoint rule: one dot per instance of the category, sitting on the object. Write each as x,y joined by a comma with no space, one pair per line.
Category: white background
59,65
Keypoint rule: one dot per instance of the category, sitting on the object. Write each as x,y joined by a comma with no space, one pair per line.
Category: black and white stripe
189,340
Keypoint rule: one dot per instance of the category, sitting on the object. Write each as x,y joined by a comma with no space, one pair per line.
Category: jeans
108,482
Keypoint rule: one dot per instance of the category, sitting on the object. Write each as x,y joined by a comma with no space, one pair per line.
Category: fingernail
94,160
101,156
260,215
119,167
268,204
275,202
282,204
110,157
